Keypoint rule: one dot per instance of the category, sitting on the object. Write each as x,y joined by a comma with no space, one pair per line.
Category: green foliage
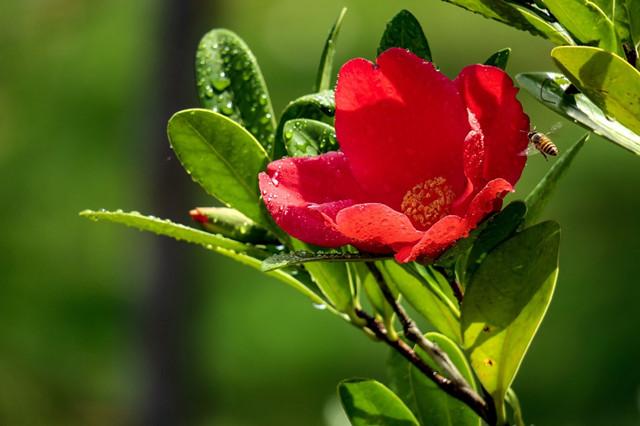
317,106
244,253
368,402
538,198
304,136
429,403
325,70
222,157
233,224
505,302
229,81
552,90
499,59
520,16
608,80
586,21
426,297
405,31
299,257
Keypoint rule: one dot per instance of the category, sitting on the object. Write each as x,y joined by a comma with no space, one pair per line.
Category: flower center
428,201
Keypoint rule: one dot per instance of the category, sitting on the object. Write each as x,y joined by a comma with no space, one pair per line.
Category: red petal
376,227
304,194
400,123
491,98
488,200
439,237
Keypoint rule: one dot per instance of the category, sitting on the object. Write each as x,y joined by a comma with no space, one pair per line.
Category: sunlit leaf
517,16
368,402
304,136
325,70
426,297
319,106
244,253
405,31
505,302
607,79
551,89
222,157
538,198
499,59
428,402
586,21
230,82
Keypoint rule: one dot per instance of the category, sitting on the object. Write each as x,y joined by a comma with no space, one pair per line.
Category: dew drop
320,306
220,81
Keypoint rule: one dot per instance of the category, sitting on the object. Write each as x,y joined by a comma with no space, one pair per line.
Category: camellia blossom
423,159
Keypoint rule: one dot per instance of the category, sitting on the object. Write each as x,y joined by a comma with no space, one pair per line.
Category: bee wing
555,128
529,151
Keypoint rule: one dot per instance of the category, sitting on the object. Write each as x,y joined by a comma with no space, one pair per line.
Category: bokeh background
102,325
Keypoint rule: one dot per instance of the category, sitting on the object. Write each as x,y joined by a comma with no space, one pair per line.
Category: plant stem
464,394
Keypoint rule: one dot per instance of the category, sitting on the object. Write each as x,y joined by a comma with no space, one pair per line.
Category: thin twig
413,333
466,395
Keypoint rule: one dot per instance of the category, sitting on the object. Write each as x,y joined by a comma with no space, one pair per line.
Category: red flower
422,159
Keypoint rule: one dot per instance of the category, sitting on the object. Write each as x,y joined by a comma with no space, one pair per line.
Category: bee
541,143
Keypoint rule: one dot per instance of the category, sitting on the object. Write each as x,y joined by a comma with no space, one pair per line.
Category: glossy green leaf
426,297
586,21
368,283
229,81
538,198
231,223
325,70
607,79
428,402
551,90
303,136
283,260
319,106
368,402
504,305
517,16
332,278
222,157
496,230
499,59
405,31
244,253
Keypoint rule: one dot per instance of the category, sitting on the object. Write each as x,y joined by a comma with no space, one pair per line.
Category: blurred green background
101,325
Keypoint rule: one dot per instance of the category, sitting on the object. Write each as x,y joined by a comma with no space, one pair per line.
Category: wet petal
487,201
438,238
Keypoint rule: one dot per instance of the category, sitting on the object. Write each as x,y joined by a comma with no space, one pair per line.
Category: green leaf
405,31
505,303
231,223
368,402
317,106
304,137
428,402
608,80
514,402
331,277
632,7
586,21
426,297
243,253
299,257
538,198
517,16
222,157
495,230
230,82
551,89
325,70
499,59
368,283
